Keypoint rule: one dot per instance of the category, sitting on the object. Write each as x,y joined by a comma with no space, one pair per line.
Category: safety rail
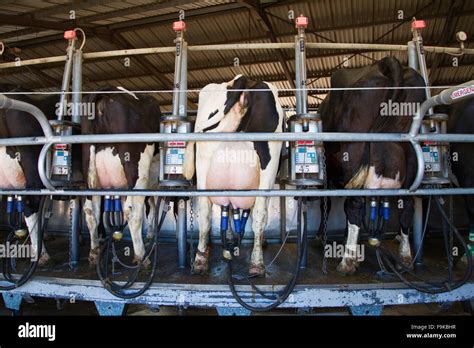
448,96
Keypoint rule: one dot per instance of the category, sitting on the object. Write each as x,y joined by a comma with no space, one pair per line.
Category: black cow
371,165
461,120
119,166
19,164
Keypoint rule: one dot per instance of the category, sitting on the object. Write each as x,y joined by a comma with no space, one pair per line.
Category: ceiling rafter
255,8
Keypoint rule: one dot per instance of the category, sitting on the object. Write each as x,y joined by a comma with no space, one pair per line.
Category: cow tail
392,68
188,164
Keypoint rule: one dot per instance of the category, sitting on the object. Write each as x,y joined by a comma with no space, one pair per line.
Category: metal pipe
182,233
418,230
412,57
163,137
75,232
8,103
177,73
245,193
247,46
66,79
446,97
183,96
77,86
42,170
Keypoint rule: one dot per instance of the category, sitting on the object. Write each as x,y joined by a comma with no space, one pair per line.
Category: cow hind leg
201,262
352,207
406,220
134,211
259,217
91,211
32,222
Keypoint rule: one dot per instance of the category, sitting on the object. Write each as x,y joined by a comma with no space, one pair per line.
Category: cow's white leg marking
91,208
404,249
135,206
204,212
133,213
92,215
348,263
203,207
259,218
32,222
150,219
260,210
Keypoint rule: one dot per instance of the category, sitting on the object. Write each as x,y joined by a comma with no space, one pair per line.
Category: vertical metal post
66,78
418,230
178,65
412,56
74,205
180,109
418,41
183,96
182,233
77,86
300,61
301,104
418,213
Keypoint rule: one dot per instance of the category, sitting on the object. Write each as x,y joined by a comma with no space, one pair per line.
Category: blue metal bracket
109,308
233,311
12,300
366,310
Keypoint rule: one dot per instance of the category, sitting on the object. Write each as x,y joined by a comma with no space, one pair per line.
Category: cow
381,165
19,164
120,166
225,108
461,120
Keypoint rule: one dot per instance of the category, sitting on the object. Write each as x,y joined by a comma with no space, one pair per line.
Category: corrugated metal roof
351,21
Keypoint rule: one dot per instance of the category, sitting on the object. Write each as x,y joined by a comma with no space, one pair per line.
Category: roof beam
448,31
265,22
30,21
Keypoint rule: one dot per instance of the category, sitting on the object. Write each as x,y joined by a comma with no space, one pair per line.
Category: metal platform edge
213,296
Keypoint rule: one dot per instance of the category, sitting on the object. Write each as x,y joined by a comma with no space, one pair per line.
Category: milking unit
306,169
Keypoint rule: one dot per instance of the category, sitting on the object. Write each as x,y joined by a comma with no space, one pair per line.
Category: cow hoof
347,267
464,259
93,256
257,270
407,261
44,260
201,263
200,268
144,264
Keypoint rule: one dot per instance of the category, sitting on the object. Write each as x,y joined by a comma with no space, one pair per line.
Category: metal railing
448,96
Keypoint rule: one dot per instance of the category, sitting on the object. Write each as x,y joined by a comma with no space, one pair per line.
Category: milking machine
436,175
170,176
114,225
172,152
16,242
58,171
306,169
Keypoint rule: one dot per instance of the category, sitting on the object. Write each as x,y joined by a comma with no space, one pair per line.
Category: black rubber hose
119,290
283,295
432,288
6,270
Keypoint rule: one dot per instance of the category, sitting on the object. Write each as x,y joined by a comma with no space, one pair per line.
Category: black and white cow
461,120
235,165
371,165
19,164
120,166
